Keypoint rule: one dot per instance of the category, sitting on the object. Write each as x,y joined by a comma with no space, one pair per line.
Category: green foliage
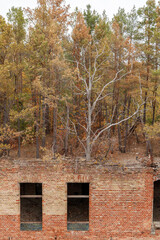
91,18
16,18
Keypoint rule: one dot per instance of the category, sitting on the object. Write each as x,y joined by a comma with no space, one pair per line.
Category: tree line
78,77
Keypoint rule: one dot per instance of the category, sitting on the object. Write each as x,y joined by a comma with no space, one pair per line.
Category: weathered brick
120,201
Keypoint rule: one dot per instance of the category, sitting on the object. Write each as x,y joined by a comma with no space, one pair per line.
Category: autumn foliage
70,90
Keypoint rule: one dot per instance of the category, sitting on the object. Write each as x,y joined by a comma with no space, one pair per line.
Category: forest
72,83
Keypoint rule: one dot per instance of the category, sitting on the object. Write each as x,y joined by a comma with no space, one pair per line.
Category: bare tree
90,71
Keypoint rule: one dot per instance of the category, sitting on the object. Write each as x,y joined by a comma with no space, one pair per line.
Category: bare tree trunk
106,113
5,112
146,92
122,128
43,125
115,104
126,123
54,147
119,138
37,139
37,128
137,139
77,116
100,115
67,133
5,121
149,150
154,111
155,93
89,124
145,106
47,121
19,139
110,147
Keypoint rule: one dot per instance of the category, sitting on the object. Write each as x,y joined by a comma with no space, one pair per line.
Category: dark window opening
78,206
31,206
156,202
31,188
78,189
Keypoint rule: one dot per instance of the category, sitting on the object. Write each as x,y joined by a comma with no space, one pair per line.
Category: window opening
31,206
78,206
156,204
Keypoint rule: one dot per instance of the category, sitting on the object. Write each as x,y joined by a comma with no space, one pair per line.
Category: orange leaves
80,33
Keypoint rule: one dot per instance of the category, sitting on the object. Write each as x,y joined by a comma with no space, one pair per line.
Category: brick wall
120,200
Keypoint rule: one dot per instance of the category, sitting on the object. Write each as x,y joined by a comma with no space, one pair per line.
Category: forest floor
135,149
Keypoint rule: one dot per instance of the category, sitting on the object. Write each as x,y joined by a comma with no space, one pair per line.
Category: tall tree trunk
154,110
146,92
100,115
67,133
110,147
155,91
123,147
5,112
5,122
37,127
47,121
43,124
119,132
119,138
149,150
89,123
126,123
106,113
37,139
54,147
19,139
145,107
115,101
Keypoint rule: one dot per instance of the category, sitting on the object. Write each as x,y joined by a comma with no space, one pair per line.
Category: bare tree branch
75,130
115,124
104,87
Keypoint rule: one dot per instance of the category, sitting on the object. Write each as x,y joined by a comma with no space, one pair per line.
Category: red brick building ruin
66,199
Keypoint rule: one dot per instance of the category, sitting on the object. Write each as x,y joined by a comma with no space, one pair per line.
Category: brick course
120,200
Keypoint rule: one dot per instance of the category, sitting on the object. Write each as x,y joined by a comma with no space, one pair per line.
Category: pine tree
16,18
146,29
47,61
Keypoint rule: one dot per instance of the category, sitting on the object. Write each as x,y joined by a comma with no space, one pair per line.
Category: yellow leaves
48,155
6,34
68,73
4,147
24,114
57,62
6,135
28,135
153,131
48,93
37,85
